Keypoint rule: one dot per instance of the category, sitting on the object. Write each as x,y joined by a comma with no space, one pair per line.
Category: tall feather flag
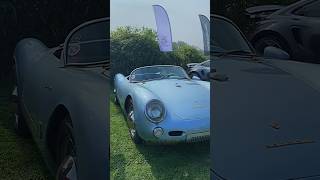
163,28
205,24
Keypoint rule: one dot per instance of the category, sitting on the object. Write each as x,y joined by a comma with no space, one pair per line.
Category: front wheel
66,152
116,101
131,124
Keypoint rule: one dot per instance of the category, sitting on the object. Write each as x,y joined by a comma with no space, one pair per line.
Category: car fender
121,84
275,28
89,119
26,53
141,96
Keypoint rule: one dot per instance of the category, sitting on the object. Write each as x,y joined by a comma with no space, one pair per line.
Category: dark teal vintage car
265,115
62,96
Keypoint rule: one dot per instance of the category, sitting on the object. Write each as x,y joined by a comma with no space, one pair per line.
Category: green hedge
135,47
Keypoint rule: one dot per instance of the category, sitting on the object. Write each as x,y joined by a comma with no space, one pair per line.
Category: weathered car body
261,12
190,65
294,28
201,70
265,118
185,101
49,89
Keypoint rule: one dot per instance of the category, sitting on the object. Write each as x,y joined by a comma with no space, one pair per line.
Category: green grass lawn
130,161
19,157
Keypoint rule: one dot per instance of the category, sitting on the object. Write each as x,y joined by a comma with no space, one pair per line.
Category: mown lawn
130,161
19,157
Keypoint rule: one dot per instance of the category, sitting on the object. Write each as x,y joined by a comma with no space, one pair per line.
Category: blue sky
183,15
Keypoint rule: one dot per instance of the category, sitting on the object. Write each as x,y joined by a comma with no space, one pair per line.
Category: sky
183,15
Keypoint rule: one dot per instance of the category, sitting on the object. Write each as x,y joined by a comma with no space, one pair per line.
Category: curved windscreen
225,37
89,44
158,72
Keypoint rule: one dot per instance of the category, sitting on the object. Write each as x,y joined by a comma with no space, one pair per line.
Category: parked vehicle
200,70
62,95
265,117
295,29
260,12
163,105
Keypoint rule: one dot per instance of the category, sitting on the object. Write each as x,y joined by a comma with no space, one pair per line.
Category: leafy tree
186,53
135,47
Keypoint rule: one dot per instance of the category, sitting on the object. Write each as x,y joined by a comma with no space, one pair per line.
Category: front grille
199,139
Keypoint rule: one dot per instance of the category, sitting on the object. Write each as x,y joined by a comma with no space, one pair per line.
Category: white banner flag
205,24
163,28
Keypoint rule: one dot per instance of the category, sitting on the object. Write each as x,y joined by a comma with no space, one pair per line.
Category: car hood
266,120
185,99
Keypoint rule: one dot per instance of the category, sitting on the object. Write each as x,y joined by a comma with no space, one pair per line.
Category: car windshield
227,39
89,45
157,72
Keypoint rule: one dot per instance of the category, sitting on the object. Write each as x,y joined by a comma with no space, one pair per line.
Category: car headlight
155,111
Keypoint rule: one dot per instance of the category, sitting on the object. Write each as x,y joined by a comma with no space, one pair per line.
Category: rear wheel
66,151
116,101
131,123
20,124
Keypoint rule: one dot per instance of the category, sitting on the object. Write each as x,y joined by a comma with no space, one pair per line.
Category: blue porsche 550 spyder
163,105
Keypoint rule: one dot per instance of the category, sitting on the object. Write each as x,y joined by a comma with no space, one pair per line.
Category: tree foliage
234,9
135,47
185,53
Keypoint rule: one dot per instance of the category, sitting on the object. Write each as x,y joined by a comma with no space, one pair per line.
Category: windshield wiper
234,52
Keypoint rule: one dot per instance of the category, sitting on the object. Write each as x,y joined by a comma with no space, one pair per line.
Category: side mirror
88,43
275,53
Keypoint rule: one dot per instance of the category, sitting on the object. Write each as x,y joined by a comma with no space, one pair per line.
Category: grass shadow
151,161
19,157
118,166
180,161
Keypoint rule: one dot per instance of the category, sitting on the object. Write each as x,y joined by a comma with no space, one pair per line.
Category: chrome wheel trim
131,123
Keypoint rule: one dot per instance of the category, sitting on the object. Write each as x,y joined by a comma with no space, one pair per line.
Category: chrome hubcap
68,169
131,122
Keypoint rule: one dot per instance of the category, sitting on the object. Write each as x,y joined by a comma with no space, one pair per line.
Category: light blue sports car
163,105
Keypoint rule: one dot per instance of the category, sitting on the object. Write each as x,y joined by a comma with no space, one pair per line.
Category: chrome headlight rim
156,120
